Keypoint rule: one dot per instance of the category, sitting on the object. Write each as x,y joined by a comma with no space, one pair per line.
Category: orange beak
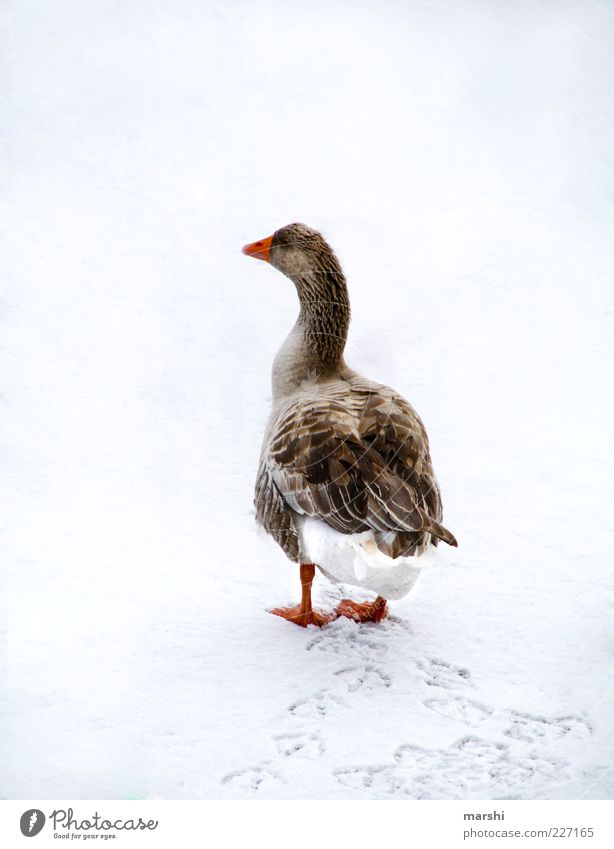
260,249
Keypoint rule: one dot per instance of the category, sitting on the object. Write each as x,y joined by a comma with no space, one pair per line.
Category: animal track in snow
303,745
340,641
314,707
469,769
440,673
253,778
460,709
542,729
380,781
356,677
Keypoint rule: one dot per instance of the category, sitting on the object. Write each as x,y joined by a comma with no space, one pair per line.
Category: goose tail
440,532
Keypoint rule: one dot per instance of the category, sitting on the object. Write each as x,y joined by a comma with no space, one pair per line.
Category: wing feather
356,455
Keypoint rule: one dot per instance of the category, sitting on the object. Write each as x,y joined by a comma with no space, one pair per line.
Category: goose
345,481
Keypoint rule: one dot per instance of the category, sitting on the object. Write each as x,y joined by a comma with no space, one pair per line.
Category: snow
458,157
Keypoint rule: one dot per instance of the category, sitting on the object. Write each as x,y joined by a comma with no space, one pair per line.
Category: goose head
303,255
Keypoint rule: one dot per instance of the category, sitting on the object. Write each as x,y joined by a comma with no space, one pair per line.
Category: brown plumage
356,456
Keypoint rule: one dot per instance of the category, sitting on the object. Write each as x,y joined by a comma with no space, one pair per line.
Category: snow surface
459,158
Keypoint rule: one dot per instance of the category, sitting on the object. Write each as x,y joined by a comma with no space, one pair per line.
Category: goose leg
303,614
368,611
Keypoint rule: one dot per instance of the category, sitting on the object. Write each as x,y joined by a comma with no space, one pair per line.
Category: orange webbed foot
367,611
311,617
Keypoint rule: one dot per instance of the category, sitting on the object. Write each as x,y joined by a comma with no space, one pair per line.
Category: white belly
354,559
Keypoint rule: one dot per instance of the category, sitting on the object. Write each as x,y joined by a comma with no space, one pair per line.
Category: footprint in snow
254,778
302,745
440,673
471,768
460,709
381,782
542,729
367,677
350,639
314,707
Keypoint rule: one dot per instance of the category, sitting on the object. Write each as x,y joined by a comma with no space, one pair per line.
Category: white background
458,157
435,824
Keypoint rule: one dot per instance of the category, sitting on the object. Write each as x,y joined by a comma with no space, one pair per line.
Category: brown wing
274,514
356,455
